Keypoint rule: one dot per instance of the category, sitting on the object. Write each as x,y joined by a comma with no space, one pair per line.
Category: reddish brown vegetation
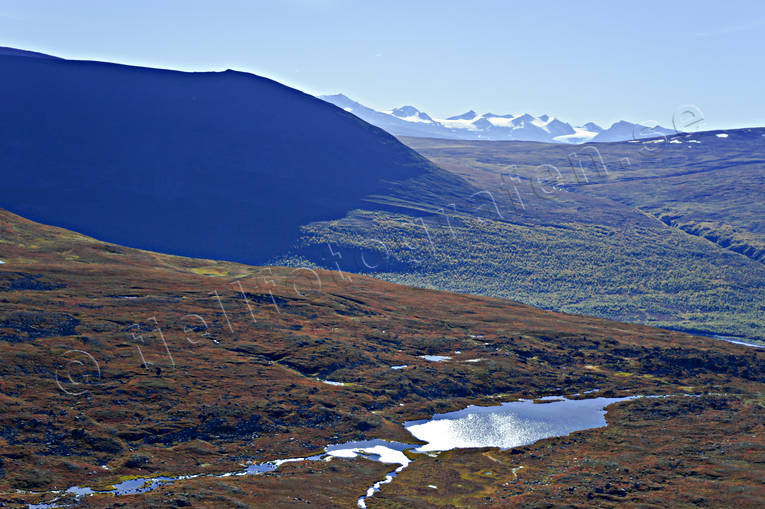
215,389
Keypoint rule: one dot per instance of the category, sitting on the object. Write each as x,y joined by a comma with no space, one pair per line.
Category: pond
435,358
504,426
509,424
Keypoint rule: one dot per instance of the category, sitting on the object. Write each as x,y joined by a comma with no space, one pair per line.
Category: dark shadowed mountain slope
237,167
218,165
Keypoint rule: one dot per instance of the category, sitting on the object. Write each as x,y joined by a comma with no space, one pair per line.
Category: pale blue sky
580,61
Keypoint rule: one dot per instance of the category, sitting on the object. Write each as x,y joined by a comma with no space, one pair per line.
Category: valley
663,232
606,229
219,291
122,363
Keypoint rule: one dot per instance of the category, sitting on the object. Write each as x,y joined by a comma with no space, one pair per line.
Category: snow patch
415,118
541,123
503,121
458,124
580,135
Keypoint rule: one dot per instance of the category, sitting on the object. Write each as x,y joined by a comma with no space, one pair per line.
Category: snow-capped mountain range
409,121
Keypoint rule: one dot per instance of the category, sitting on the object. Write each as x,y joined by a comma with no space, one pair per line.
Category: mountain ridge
129,153
410,121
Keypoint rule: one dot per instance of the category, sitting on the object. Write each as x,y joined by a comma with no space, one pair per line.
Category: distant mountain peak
411,114
468,115
410,121
483,123
337,96
338,99
593,127
405,111
523,118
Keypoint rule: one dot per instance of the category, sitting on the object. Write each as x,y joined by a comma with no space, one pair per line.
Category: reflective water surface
435,358
509,424
505,426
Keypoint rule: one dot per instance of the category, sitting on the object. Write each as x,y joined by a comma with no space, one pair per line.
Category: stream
504,426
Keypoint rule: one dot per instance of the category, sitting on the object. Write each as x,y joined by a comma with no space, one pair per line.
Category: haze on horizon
593,61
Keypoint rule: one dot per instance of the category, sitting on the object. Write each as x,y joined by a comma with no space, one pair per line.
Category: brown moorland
118,362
